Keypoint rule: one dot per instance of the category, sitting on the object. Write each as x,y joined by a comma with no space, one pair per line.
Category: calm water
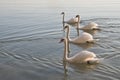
31,29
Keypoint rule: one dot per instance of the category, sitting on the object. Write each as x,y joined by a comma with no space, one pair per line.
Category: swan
73,21
70,21
83,38
81,57
90,26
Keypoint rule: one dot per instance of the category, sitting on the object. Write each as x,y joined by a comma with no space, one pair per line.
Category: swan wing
72,20
82,56
86,36
83,38
90,26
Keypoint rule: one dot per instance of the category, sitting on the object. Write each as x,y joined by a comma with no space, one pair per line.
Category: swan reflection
80,68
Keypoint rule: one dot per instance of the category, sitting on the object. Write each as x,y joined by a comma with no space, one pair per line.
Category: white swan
83,38
90,26
70,21
81,57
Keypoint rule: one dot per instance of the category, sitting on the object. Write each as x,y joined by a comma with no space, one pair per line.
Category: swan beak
61,40
64,29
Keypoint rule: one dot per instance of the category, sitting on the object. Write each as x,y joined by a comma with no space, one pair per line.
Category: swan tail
93,41
95,61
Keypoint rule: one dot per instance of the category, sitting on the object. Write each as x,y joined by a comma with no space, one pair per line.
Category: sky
85,6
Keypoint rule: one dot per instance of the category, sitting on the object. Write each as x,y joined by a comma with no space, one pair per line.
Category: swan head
62,40
77,16
78,19
63,13
67,26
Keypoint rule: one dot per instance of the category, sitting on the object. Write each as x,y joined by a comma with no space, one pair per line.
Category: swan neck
68,32
63,22
63,18
65,49
78,24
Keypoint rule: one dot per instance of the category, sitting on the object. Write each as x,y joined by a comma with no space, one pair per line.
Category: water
31,29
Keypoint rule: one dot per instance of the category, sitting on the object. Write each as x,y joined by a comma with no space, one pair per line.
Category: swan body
80,57
83,57
72,20
90,26
83,38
